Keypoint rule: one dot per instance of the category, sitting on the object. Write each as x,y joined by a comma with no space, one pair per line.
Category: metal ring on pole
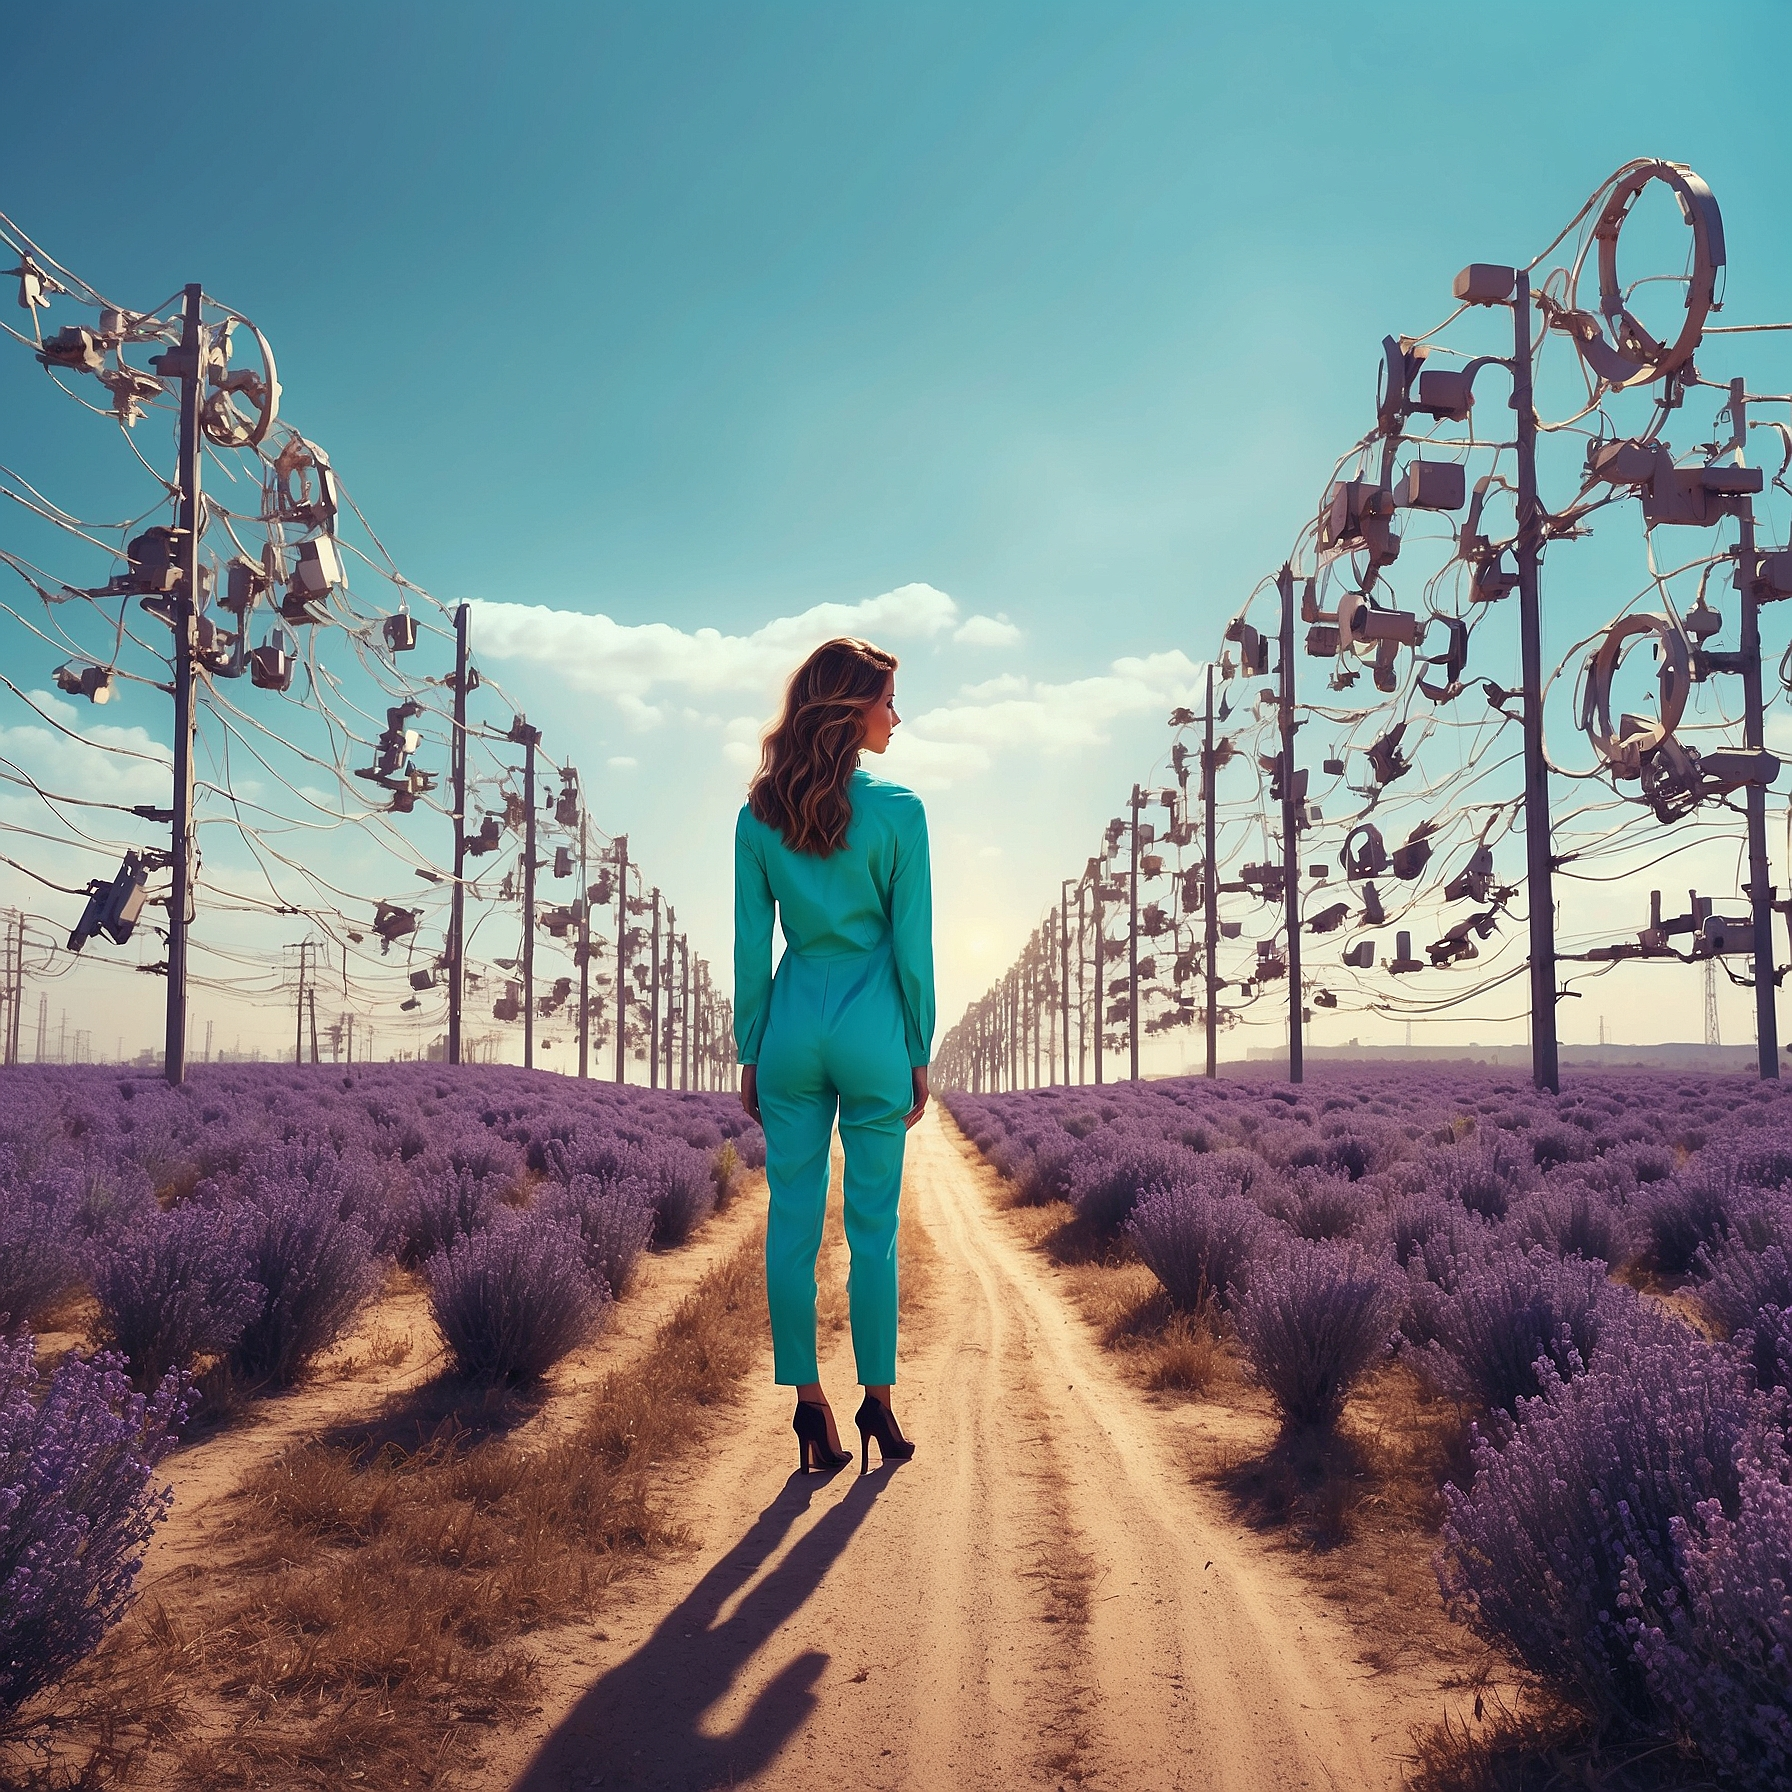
1632,356
224,423
1624,746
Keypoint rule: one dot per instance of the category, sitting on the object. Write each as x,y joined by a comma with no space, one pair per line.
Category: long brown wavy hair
800,787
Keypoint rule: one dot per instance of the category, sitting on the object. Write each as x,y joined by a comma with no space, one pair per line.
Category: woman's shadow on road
638,1725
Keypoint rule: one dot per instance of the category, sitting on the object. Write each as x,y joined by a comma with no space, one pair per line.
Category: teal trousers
834,1047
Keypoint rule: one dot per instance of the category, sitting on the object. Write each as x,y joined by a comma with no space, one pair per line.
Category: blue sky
704,316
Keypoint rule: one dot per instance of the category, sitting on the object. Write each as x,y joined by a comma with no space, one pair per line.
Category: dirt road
1041,1598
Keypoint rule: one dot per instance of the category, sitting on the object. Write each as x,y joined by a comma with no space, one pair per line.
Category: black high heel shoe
810,1424
873,1420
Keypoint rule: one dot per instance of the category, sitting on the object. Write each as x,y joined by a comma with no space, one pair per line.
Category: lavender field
205,1244
1602,1284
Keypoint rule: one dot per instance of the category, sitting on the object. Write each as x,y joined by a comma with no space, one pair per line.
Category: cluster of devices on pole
255,612
1425,668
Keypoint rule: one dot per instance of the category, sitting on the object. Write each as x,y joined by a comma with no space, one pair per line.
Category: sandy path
1040,1598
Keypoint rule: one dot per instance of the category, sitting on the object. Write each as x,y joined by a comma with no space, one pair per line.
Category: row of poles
687,1026
997,1044
687,1023
1013,1037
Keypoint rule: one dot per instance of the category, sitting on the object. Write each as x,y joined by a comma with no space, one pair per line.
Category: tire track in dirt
1040,1598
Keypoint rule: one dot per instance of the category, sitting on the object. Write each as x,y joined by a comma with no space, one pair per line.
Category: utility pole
1210,881
1528,549
311,1006
457,897
298,1038
528,739
1760,889
621,955
1132,942
15,927
1064,966
584,942
43,1026
703,1038
189,521
1100,950
684,1030
653,998
15,982
1290,825
1082,976
665,980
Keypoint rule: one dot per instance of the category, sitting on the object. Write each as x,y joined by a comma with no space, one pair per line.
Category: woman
846,1026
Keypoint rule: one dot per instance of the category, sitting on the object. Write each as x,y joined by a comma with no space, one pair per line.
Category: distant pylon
1711,1033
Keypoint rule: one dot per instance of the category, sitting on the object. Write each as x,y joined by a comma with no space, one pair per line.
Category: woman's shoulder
886,791
900,805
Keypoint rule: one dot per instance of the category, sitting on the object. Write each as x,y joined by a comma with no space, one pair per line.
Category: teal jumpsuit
848,1015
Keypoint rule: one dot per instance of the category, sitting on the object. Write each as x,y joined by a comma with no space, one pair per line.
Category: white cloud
925,764
123,764
987,631
1010,684
628,661
646,669
1049,718
622,763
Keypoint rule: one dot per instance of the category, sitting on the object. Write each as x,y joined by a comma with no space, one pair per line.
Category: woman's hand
919,1075
749,1091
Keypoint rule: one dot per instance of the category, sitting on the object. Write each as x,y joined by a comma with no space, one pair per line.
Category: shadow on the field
639,1724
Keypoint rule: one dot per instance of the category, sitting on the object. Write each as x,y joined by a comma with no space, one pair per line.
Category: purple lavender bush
1044,1176
174,1288
1433,1240
1765,1346
1571,1219
1738,1283
684,1194
1108,1172
40,1261
1428,1236
76,1508
1516,1318
512,1301
1719,1661
614,1220
317,1268
678,1178
438,1206
1197,1241
1486,1173
1315,1204
1570,1542
1312,1320
1689,1212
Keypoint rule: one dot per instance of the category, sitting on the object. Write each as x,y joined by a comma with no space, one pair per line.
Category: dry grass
1165,1350
1542,1750
378,1584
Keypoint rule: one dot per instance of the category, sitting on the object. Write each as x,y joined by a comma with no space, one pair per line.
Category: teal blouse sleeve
752,943
911,929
